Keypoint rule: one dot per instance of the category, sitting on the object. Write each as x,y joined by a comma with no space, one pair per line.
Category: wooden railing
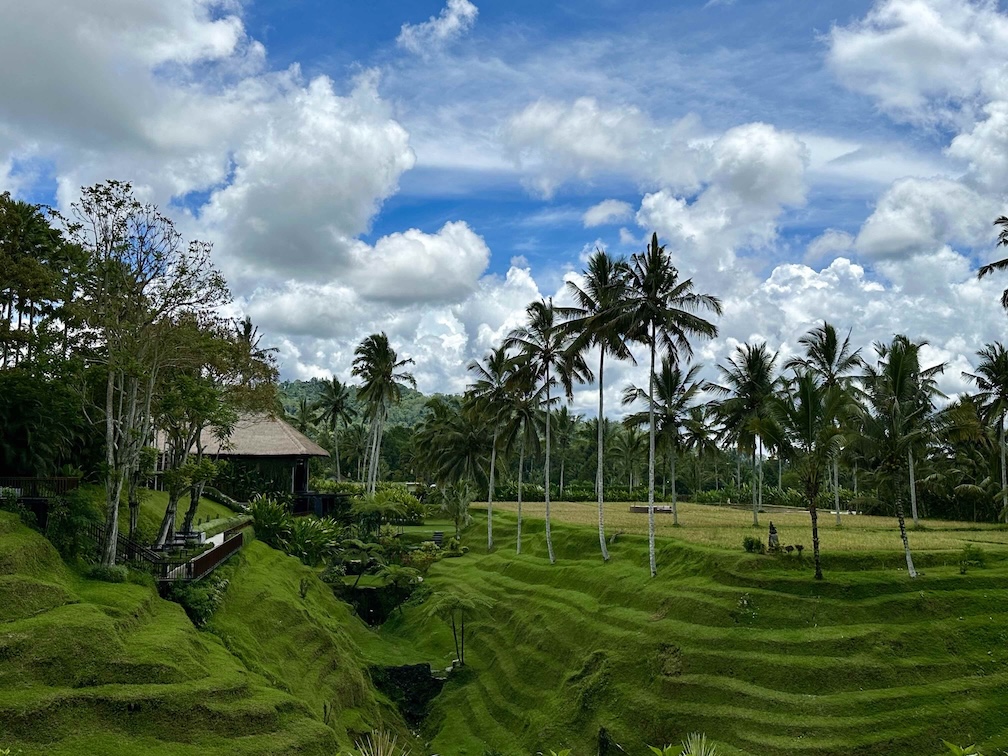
169,569
40,488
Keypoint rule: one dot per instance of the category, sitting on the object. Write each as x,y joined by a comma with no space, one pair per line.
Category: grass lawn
749,649
725,527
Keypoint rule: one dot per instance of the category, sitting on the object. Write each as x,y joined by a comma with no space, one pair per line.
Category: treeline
848,426
110,335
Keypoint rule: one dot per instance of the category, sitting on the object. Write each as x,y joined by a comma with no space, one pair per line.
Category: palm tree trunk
836,488
903,534
549,538
599,477
815,539
336,441
521,465
913,488
651,460
1004,472
562,462
675,496
458,652
855,479
755,511
759,462
490,491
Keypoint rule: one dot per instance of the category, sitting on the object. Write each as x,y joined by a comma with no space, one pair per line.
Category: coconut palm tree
601,320
628,448
302,417
524,419
673,392
899,396
998,265
748,386
544,347
566,426
335,409
380,369
832,362
700,437
489,392
666,314
991,379
808,415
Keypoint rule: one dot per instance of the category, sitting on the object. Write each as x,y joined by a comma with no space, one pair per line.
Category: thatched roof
263,436
260,435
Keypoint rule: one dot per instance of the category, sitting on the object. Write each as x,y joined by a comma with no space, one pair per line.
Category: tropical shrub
423,556
272,521
381,743
753,545
69,516
115,574
200,599
971,556
311,539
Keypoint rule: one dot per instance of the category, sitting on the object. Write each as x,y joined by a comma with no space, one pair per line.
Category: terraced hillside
88,667
749,649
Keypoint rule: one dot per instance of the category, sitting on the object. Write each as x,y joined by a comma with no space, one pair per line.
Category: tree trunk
903,534
133,497
836,488
815,539
113,475
855,480
599,477
913,488
755,511
562,462
675,496
549,538
1004,472
521,465
458,652
168,521
195,493
462,622
336,440
651,460
490,491
759,462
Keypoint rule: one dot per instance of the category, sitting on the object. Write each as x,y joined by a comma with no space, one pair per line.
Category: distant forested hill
407,413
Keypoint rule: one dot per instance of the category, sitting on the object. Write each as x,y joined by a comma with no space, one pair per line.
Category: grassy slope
304,646
92,667
749,649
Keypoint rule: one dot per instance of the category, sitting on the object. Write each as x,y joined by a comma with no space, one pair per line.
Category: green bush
422,557
753,545
69,516
272,521
311,539
971,556
114,574
411,510
199,599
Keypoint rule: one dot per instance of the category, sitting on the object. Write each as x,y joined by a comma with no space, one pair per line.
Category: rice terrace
484,378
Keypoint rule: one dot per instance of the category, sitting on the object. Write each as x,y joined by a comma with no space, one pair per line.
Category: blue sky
428,168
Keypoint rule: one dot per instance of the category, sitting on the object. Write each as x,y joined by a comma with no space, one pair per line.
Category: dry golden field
726,527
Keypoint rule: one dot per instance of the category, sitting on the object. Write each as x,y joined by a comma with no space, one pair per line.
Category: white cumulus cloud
455,19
